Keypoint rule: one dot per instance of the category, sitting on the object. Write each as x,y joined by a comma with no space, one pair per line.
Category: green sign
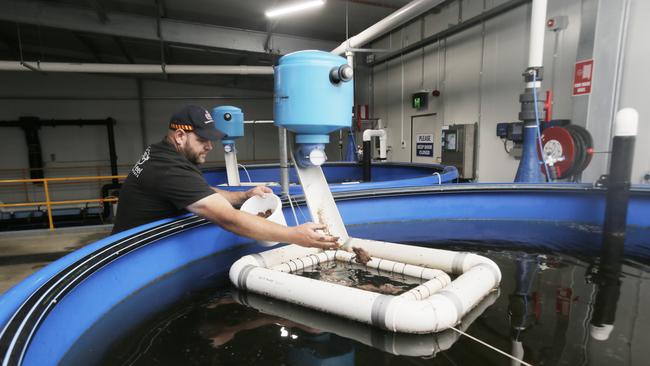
417,101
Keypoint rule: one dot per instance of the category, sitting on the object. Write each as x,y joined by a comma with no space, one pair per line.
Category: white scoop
257,204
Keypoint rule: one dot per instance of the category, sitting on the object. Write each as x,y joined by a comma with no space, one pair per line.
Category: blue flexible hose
539,131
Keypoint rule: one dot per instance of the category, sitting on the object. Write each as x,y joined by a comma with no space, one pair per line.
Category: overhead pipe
134,69
393,20
532,101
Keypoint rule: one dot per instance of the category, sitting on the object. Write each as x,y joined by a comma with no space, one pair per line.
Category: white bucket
257,204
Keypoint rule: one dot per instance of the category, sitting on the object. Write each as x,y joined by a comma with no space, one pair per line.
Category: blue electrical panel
513,131
502,130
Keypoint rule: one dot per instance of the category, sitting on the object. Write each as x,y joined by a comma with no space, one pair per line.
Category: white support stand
232,170
320,201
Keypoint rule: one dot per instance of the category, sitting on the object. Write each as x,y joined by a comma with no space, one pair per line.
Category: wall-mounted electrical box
512,135
458,148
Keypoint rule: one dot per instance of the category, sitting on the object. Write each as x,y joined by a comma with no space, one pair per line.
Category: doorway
426,139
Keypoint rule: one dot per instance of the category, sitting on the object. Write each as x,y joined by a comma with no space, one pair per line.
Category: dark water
541,313
358,276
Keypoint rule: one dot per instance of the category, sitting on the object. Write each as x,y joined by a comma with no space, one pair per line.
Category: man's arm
217,209
233,197
238,198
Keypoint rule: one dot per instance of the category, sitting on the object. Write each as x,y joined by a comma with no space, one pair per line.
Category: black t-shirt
161,185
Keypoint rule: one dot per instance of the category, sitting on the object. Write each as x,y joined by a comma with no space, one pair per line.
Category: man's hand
258,191
313,236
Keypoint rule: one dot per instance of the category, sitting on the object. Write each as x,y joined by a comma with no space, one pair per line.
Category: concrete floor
24,252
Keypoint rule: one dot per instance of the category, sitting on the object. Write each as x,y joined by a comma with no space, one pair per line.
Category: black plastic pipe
618,189
608,277
111,147
367,157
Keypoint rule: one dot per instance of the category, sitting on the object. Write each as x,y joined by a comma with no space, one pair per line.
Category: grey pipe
135,68
284,161
133,98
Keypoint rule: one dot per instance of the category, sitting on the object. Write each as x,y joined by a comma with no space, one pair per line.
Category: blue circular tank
230,121
313,95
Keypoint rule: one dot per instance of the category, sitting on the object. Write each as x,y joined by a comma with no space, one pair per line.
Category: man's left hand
258,191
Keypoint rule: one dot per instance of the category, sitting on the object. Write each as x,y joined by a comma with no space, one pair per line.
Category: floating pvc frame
433,306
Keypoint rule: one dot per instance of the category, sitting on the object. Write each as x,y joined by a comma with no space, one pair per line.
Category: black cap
193,118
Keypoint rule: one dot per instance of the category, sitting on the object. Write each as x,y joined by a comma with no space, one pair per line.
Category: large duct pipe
397,18
537,29
135,69
532,101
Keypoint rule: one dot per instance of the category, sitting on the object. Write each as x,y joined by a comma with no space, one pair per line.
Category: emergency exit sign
424,145
582,77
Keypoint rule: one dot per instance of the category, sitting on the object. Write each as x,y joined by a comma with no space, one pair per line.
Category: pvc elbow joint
310,155
342,73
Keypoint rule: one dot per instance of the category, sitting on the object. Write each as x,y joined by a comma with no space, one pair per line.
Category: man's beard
193,157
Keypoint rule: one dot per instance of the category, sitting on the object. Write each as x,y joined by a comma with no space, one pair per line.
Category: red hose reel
569,147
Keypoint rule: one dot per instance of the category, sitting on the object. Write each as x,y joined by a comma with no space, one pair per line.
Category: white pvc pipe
627,122
369,134
439,306
537,29
395,343
232,170
136,69
445,260
395,19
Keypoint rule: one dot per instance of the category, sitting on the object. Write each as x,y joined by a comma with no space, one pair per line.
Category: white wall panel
470,8
461,87
506,57
634,88
560,57
447,17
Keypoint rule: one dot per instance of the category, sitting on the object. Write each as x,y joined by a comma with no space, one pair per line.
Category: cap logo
208,118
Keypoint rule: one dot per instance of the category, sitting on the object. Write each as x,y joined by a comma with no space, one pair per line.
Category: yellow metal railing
49,203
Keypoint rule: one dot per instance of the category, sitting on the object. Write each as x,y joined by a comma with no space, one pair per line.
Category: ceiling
202,32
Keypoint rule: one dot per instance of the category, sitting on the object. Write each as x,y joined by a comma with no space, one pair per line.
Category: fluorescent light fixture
293,8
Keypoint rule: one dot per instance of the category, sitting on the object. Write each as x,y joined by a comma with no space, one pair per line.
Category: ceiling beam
11,44
90,46
123,49
373,3
142,27
99,10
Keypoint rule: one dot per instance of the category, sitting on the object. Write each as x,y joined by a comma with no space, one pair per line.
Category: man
166,182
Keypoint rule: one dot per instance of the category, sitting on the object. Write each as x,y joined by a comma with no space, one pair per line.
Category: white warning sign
424,145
